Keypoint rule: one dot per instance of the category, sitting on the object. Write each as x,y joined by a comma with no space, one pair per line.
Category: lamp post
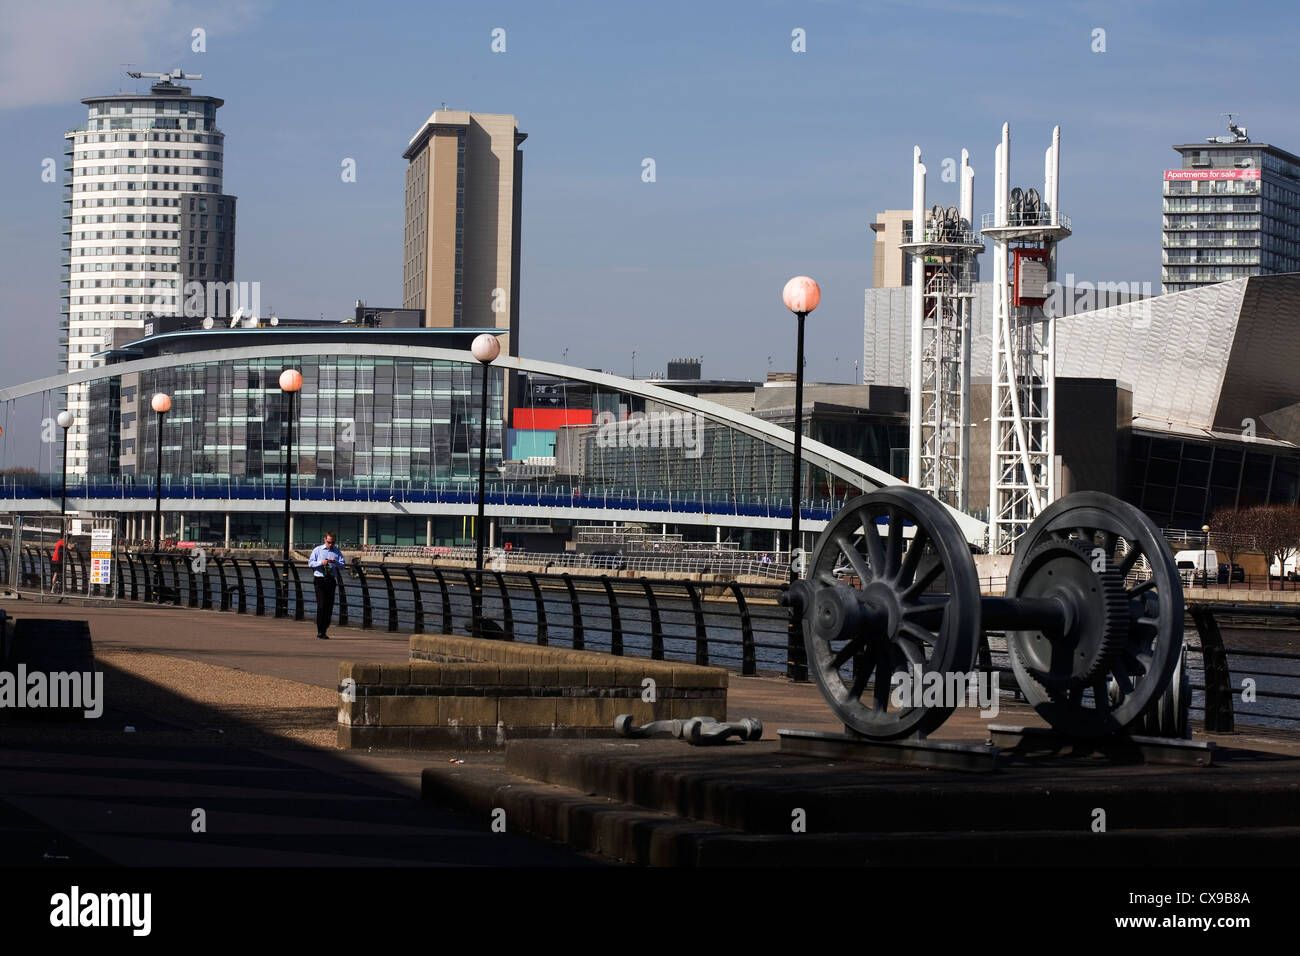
485,348
290,382
1205,558
162,404
801,295
64,421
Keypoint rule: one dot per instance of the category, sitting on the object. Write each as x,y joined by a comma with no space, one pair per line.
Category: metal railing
1218,688
695,561
740,626
727,624
1040,219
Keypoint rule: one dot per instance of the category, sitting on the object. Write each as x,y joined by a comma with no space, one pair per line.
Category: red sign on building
549,419
1211,174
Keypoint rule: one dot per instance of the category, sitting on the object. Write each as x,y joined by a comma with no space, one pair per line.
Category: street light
290,382
485,348
801,295
65,421
162,404
1205,558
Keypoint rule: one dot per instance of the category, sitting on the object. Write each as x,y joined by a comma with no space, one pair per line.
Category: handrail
732,624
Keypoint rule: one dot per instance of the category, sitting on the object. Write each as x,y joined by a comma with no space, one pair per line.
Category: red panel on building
549,419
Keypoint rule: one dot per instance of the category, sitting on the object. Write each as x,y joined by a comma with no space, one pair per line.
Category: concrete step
756,789
628,833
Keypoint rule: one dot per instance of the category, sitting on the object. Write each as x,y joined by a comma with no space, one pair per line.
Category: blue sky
769,163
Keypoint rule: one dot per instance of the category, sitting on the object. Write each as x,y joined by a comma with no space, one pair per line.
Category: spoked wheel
1122,640
892,588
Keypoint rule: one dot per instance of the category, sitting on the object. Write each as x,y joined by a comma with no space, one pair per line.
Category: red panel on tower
1030,277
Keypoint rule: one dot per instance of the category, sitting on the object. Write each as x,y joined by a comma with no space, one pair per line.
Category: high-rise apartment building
461,256
1231,210
889,267
144,216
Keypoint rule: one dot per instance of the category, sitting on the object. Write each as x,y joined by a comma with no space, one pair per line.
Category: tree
1234,529
1277,532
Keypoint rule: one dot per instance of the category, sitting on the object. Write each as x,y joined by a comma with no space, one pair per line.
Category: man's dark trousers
325,586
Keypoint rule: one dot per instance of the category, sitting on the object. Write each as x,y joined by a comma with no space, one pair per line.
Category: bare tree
1234,529
1277,533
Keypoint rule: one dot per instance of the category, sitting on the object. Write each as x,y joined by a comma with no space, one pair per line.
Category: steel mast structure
1025,228
943,246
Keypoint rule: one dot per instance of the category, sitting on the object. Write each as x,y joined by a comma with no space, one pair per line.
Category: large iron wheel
1116,657
892,588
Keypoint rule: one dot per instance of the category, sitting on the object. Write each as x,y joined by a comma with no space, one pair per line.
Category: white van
1286,569
1192,566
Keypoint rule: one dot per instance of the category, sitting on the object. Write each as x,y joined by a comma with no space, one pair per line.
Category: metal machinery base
914,751
1117,748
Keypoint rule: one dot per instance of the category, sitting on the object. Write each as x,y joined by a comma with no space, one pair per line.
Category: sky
769,163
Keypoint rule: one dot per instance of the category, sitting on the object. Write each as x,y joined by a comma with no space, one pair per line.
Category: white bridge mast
1025,228
943,246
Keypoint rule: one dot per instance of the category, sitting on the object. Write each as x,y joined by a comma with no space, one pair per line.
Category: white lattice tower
942,246
1025,230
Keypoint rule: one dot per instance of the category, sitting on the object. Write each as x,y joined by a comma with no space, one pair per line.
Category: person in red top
56,565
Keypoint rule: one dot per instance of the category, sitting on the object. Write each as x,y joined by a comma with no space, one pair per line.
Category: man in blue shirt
326,562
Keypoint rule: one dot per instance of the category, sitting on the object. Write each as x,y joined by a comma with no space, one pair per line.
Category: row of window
82,251
1279,165
127,107
1238,240
124,283
1209,221
126,217
125,201
146,170
124,266
82,154
1193,204
1197,187
1213,258
154,201
119,299
1220,274
140,122
151,137
160,185
119,316
126,234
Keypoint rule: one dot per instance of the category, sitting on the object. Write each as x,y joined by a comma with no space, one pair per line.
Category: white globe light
65,419
486,347
161,403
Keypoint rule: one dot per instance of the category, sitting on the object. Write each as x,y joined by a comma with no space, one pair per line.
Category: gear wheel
1097,621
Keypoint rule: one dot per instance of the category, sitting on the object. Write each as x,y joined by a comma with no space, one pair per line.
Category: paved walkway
289,650
253,751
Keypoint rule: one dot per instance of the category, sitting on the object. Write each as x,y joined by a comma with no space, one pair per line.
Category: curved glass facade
356,417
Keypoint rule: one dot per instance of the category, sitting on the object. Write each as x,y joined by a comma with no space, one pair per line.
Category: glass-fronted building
1181,480
358,417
